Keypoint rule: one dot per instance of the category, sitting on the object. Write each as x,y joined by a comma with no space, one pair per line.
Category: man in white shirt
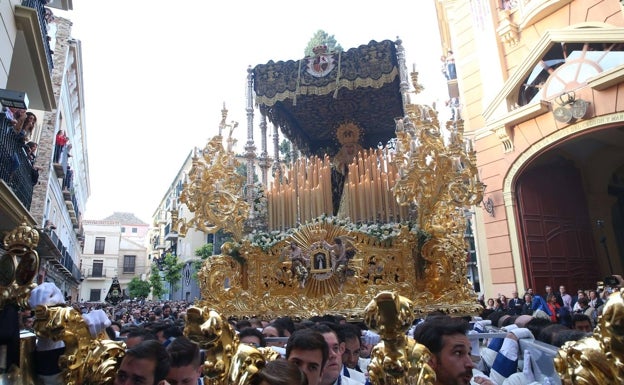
565,298
349,335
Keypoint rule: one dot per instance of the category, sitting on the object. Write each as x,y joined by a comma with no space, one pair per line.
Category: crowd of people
327,350
559,307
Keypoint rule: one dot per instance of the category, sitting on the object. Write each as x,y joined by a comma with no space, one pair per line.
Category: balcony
170,235
59,255
97,273
32,64
62,166
15,168
159,243
72,207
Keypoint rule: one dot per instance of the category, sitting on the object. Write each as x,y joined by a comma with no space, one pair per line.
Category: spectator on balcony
60,142
51,29
31,150
25,124
9,113
69,178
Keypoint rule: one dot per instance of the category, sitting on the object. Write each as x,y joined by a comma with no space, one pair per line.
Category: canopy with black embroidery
309,98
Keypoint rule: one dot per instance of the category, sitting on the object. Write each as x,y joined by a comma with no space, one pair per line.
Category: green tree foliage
172,270
156,283
322,38
204,253
138,288
284,149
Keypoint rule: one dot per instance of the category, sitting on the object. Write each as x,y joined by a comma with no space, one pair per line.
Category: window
134,230
123,229
98,268
129,261
94,295
99,245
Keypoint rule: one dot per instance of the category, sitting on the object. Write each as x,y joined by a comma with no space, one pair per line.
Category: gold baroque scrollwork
227,361
262,284
19,266
440,179
212,191
86,360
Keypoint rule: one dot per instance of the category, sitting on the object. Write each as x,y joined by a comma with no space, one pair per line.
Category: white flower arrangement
380,231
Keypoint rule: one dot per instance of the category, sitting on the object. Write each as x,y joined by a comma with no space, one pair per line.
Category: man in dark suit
515,304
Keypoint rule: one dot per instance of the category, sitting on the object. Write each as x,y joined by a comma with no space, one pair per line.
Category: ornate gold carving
86,360
213,189
19,266
397,359
227,360
440,180
598,359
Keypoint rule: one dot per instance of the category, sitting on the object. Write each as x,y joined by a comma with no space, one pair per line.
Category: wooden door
556,237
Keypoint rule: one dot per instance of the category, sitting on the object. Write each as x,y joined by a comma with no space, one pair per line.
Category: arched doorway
558,246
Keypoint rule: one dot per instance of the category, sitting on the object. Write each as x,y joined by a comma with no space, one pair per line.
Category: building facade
114,247
538,83
41,60
165,240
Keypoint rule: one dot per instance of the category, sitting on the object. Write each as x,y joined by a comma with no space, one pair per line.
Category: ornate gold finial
397,359
19,265
598,359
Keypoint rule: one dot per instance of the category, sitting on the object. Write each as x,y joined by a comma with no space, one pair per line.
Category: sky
156,75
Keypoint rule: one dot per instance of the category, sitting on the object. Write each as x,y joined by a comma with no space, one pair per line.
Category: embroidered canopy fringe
315,90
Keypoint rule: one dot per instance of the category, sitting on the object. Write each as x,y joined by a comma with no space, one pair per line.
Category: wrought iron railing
43,24
95,273
66,259
15,168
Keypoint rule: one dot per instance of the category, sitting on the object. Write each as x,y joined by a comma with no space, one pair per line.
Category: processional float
368,222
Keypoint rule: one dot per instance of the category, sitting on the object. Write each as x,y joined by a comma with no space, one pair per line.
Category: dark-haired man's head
582,322
308,349
146,363
333,367
252,336
242,324
186,365
350,335
446,339
138,335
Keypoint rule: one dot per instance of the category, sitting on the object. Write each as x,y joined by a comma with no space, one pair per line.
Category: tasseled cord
338,76
298,84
